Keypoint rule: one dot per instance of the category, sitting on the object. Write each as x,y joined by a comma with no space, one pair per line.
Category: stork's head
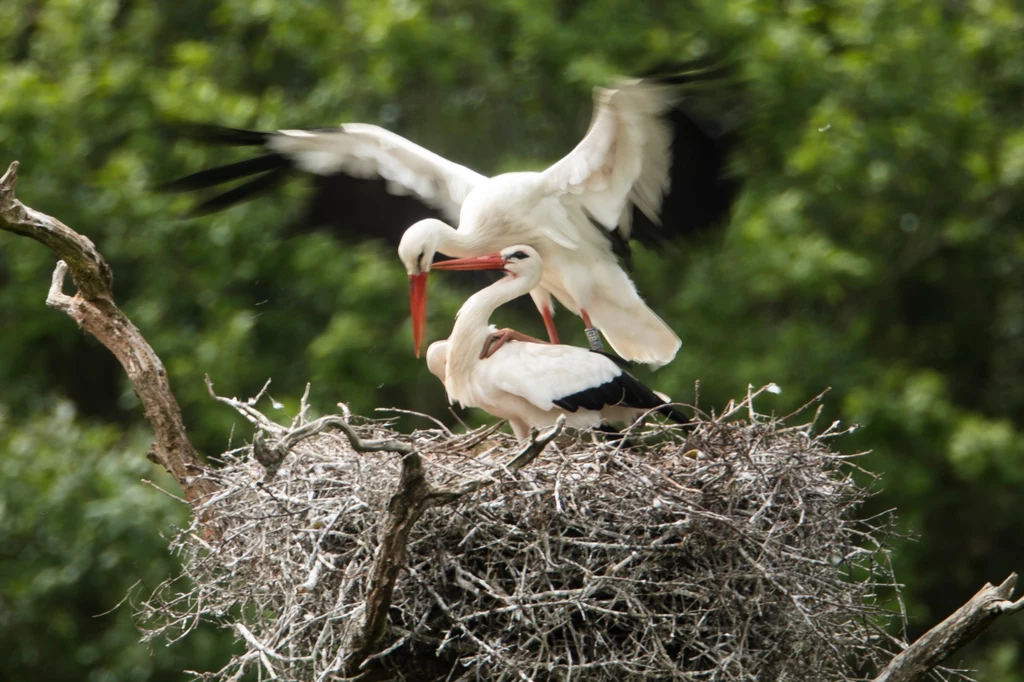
521,260
419,244
417,248
514,260
437,358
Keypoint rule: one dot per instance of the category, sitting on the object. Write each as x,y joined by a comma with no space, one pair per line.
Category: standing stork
642,163
531,384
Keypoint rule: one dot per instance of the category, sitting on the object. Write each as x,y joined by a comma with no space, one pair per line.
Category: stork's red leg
499,338
593,336
549,324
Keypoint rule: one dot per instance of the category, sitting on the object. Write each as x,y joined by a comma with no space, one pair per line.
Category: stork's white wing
365,151
542,373
625,157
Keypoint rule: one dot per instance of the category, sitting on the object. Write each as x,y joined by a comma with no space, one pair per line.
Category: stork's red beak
418,288
418,307
491,262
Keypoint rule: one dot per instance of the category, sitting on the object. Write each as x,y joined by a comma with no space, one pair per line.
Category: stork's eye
419,260
518,255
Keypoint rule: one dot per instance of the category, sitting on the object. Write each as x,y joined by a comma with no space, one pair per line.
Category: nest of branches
731,551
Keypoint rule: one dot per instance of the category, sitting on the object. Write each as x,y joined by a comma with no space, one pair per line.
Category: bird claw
495,341
499,338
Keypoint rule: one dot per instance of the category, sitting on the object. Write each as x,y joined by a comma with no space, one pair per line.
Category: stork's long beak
491,262
418,288
418,307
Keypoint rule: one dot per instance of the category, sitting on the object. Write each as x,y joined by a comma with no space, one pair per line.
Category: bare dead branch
966,623
404,510
93,276
93,309
358,444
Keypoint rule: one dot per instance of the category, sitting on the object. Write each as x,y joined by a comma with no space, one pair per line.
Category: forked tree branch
93,308
966,623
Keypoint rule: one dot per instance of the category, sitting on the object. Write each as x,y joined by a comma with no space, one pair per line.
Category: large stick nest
733,551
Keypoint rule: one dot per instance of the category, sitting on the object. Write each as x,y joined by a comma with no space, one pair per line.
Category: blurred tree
876,249
77,532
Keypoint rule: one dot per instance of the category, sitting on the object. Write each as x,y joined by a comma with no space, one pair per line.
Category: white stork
531,384
579,213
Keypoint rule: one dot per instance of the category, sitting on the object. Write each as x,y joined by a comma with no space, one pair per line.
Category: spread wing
646,167
367,180
625,155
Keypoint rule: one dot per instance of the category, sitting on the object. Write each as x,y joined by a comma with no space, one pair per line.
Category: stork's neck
471,326
463,243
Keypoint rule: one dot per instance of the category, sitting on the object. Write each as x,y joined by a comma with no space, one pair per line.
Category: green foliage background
876,249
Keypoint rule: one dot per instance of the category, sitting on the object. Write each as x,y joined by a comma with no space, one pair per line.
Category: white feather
363,150
624,158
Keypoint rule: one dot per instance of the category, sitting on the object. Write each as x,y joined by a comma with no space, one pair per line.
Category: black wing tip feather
218,175
212,134
706,69
349,207
703,188
243,192
270,168
624,390
706,125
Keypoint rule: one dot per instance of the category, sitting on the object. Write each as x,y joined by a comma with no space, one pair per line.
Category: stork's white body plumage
531,384
577,213
498,386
